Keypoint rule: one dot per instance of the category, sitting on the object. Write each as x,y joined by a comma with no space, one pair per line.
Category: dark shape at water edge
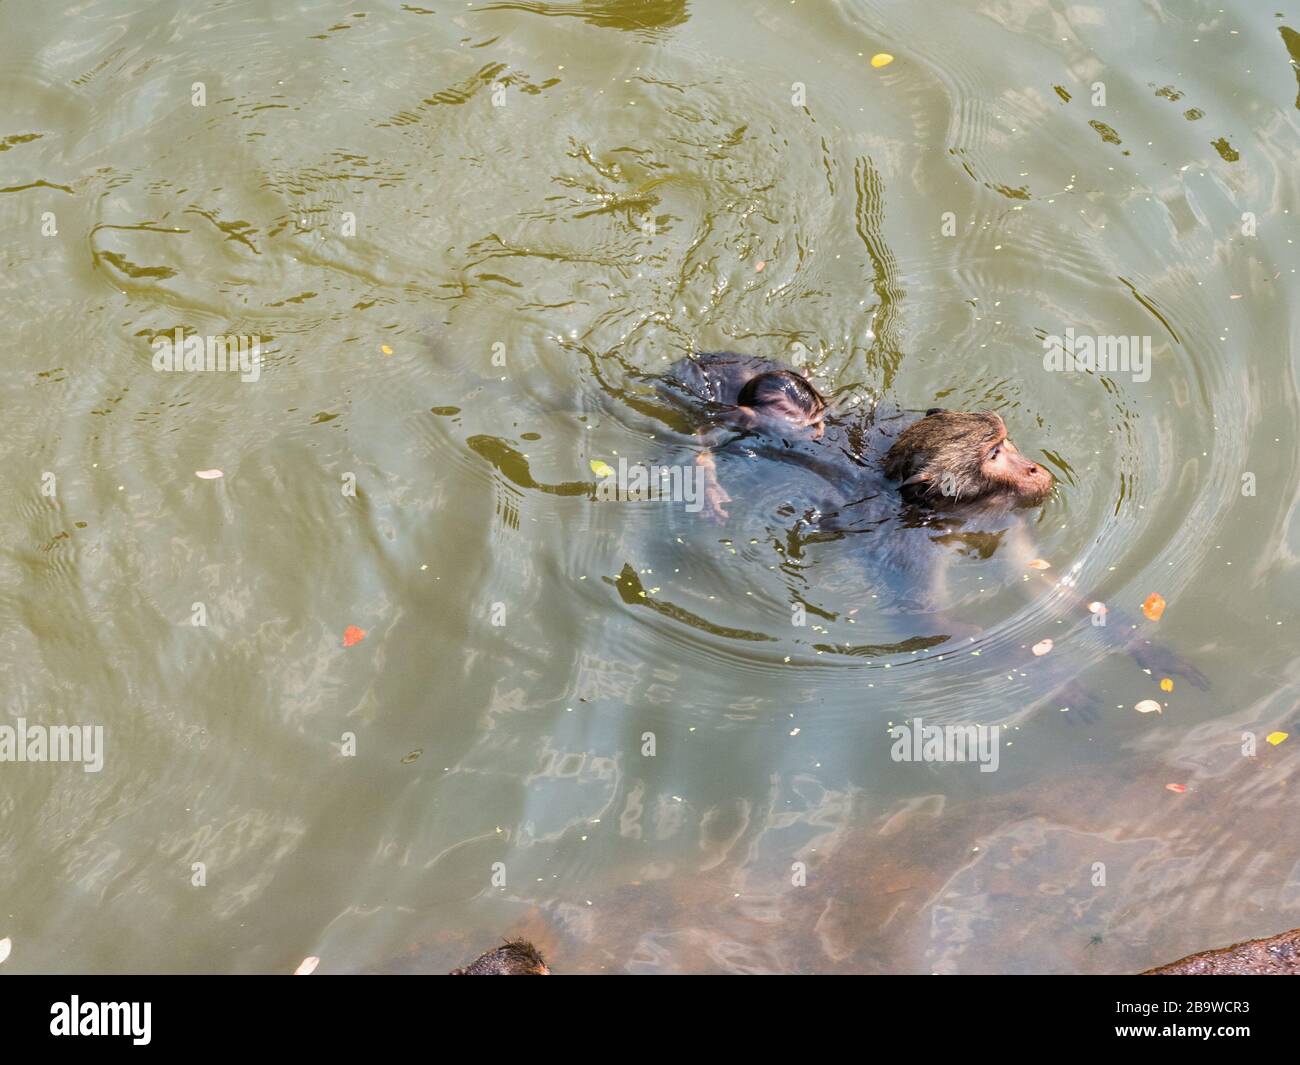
515,957
1277,955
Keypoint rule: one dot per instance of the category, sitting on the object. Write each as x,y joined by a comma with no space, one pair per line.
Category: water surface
469,236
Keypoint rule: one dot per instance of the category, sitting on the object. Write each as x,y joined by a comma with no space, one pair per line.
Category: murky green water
467,235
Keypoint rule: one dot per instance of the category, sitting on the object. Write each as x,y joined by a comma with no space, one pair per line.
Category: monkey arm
1151,655
708,385
710,440
1122,630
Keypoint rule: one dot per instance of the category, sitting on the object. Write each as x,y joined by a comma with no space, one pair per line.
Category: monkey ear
935,410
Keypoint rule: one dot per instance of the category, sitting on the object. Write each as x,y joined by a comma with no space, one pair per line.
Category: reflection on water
468,240
641,16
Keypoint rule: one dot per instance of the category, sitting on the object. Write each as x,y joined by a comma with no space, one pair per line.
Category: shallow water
468,236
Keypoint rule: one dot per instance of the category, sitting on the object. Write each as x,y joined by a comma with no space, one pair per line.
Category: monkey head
515,957
781,400
951,457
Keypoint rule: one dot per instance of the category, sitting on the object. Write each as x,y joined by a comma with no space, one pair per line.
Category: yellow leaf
601,469
1166,685
385,349
1276,737
881,59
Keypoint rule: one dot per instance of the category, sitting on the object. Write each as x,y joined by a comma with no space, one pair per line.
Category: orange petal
1154,606
307,966
1042,647
1179,788
352,635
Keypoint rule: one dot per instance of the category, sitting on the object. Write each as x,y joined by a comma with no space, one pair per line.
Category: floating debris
1226,151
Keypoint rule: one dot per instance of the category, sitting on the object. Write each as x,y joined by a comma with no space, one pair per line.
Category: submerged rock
1277,955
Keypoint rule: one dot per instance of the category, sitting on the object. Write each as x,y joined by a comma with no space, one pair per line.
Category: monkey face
1004,465
956,457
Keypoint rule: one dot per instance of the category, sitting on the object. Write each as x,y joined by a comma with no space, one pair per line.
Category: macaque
905,504
952,458
947,460
963,466
515,957
963,473
747,396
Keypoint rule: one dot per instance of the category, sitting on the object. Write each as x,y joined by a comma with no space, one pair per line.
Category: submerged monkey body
949,483
883,502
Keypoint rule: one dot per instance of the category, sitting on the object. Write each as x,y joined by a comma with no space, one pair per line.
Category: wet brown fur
515,957
943,458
